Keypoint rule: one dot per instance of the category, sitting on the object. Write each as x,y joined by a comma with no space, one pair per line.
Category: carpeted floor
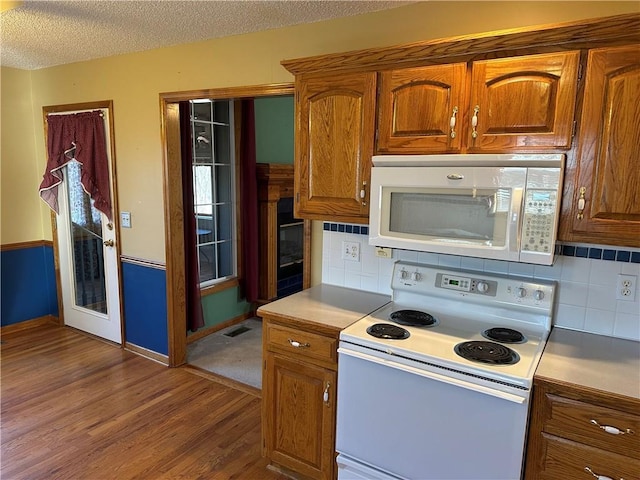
235,352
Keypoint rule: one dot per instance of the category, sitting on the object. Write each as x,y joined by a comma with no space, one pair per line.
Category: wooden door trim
173,205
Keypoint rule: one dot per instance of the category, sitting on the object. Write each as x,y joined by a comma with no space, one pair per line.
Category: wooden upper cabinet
420,109
523,103
335,135
607,174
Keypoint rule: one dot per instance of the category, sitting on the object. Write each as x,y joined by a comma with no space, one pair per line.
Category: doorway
174,217
85,245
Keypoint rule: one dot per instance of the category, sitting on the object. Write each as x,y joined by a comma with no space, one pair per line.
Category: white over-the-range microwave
494,206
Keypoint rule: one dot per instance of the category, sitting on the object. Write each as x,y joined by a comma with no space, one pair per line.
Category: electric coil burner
388,331
413,318
504,335
486,352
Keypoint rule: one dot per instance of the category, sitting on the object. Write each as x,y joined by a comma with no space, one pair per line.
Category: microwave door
425,210
464,221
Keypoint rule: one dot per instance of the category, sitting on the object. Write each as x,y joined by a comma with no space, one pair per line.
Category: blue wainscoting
27,284
145,306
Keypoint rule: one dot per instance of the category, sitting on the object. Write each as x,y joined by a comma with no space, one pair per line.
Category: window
214,188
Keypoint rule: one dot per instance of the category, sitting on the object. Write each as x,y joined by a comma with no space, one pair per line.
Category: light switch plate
125,219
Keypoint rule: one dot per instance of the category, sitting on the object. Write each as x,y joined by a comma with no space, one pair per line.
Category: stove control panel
466,284
485,288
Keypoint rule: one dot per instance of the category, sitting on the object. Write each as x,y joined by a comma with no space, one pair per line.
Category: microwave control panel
539,220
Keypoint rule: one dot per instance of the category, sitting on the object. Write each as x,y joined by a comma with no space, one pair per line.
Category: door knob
109,243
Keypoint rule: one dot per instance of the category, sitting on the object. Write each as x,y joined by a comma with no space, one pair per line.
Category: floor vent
237,331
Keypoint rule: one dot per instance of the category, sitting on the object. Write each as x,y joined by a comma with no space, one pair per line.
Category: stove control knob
416,276
482,287
538,295
521,292
404,274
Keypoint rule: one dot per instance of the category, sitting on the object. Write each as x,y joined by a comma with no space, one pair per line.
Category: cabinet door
523,103
421,109
335,131
566,459
299,416
608,159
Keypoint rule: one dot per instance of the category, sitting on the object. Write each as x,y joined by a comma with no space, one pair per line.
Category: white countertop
585,359
326,305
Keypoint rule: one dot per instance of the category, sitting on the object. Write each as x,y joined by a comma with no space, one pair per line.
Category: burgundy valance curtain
79,136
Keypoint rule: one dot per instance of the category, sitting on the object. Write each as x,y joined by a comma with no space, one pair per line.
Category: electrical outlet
384,252
626,287
351,251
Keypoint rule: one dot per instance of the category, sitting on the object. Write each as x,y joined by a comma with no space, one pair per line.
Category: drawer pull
612,430
295,344
599,477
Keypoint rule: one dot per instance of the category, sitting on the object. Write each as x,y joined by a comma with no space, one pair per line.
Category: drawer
567,459
299,343
577,421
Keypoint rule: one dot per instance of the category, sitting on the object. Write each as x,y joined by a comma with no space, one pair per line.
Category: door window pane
87,249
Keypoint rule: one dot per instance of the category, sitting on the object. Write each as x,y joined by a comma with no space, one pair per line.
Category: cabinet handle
452,122
325,395
612,430
296,344
581,201
474,122
363,193
599,477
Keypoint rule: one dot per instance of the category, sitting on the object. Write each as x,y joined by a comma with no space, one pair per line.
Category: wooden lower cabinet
580,433
566,459
299,401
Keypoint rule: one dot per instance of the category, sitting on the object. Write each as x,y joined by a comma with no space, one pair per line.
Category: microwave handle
515,225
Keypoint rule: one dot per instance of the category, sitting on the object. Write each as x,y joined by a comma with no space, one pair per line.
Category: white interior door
88,257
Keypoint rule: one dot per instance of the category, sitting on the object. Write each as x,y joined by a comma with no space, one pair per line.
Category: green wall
274,129
223,306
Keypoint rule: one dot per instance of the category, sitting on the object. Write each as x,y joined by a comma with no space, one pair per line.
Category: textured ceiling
39,34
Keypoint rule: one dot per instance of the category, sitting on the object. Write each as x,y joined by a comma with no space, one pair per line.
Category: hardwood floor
74,407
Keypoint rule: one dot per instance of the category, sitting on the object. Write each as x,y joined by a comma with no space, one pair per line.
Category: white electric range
436,384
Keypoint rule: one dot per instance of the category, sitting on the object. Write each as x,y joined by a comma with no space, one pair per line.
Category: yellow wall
134,82
19,178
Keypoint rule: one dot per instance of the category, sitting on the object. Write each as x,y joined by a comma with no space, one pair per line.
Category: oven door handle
434,376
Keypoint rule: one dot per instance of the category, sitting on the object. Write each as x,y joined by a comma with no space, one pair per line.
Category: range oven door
411,422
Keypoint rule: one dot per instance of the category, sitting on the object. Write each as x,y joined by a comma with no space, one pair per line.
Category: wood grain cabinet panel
607,173
515,104
416,107
567,460
582,422
576,430
335,132
523,103
299,399
292,341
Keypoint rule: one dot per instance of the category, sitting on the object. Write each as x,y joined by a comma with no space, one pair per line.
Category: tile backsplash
586,275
